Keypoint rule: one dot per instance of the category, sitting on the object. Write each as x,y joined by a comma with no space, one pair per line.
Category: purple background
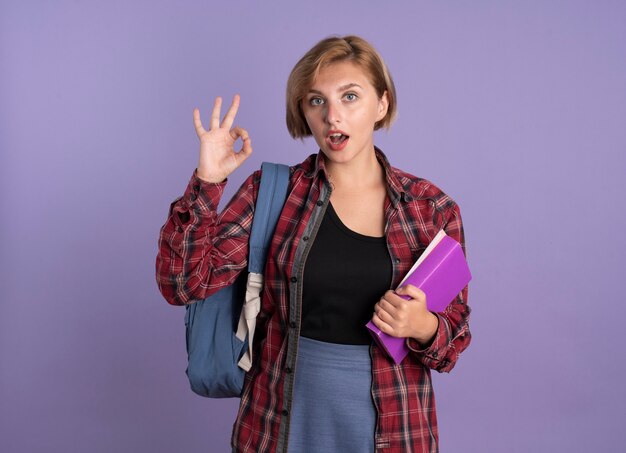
516,109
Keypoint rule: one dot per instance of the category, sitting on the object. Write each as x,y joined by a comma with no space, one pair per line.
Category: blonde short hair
334,50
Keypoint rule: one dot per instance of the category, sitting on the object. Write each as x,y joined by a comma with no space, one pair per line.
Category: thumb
409,291
401,291
245,151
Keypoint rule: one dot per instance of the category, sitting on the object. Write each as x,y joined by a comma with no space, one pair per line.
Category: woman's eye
351,97
316,101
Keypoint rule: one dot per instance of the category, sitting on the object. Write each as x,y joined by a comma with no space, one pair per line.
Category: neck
356,174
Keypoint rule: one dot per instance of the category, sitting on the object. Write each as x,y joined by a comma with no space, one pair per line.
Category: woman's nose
333,113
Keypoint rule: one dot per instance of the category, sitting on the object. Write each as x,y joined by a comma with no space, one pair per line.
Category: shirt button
305,238
397,260
435,354
180,229
292,324
320,202
285,412
288,370
193,197
196,187
293,279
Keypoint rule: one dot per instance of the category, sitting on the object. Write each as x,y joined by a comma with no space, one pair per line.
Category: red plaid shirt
201,252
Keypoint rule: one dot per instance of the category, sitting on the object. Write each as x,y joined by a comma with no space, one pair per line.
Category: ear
383,106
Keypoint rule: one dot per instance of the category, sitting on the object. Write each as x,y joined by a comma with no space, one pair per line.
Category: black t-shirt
345,274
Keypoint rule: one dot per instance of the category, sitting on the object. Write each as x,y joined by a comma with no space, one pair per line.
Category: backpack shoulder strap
269,204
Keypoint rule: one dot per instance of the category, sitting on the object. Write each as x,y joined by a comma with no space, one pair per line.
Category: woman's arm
435,339
199,251
453,335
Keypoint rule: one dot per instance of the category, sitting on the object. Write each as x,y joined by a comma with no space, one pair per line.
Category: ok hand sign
218,157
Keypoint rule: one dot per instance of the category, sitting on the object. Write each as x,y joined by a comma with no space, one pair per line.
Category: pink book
441,272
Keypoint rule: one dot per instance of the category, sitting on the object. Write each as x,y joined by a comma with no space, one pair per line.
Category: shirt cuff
433,354
201,199
202,195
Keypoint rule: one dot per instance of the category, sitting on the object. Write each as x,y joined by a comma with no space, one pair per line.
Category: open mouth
337,140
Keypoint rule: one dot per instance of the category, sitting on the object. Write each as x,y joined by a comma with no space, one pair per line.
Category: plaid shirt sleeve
200,251
453,335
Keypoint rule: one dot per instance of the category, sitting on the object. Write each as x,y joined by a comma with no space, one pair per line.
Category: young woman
351,228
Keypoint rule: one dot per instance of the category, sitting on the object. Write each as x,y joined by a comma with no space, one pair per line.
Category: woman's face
341,109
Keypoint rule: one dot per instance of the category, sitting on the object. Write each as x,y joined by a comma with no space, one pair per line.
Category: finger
393,299
244,152
197,123
413,292
232,112
246,149
215,114
382,313
237,132
390,310
382,325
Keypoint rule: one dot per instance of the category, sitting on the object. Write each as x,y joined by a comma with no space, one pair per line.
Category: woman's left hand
403,318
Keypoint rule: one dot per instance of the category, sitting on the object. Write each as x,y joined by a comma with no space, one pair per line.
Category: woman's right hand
218,157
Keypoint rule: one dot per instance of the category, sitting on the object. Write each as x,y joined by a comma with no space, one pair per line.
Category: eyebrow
341,88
